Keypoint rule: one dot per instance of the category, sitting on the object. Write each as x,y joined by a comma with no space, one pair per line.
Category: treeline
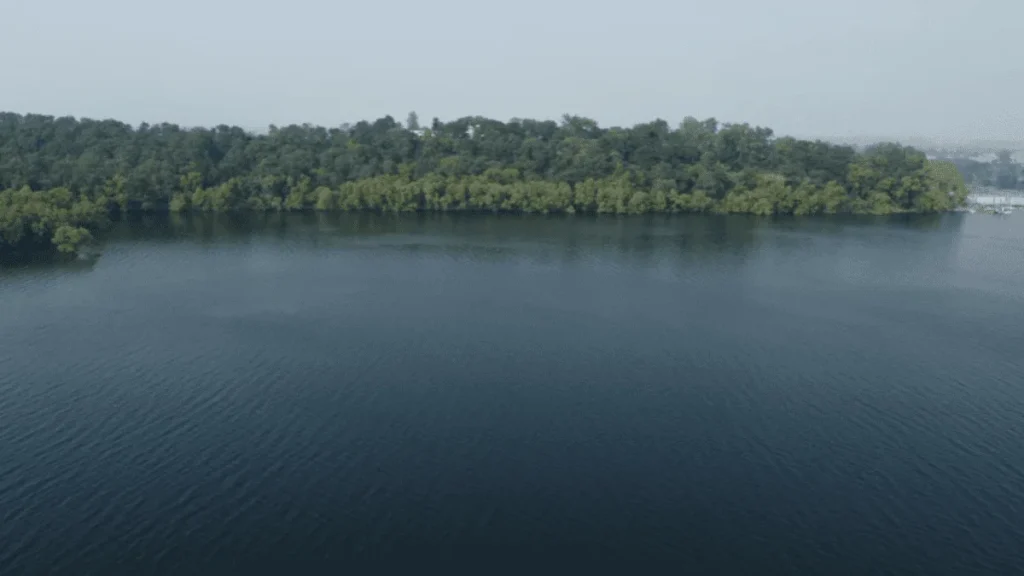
471,163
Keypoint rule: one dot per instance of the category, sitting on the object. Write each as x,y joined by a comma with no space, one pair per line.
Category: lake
309,393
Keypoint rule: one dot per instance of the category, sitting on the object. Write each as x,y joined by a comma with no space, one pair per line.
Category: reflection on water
47,264
635,236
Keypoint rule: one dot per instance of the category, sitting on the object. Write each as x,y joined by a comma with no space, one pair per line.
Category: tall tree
412,122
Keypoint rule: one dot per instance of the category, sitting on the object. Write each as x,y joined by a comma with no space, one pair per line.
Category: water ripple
779,397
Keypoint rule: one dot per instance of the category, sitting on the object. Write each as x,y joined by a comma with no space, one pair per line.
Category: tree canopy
54,219
471,163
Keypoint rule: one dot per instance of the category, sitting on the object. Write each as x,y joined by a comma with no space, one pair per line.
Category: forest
61,178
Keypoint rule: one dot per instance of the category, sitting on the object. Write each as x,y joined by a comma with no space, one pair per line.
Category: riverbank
40,222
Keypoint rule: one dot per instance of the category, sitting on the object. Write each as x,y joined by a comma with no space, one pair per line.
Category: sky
813,68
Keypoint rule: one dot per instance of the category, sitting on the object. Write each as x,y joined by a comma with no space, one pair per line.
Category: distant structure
993,200
1013,200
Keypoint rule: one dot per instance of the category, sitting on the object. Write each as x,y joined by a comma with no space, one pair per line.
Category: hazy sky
807,67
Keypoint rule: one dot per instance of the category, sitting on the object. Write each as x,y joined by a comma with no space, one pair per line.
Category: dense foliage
54,219
469,164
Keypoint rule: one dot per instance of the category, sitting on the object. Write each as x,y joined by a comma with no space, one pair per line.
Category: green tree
57,170
69,239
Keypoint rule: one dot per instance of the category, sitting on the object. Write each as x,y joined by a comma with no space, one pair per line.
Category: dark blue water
317,394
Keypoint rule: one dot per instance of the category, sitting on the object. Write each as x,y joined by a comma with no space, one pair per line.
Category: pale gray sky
928,68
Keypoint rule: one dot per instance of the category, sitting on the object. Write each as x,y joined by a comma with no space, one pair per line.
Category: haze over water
306,394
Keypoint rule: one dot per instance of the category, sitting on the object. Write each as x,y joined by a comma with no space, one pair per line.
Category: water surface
303,394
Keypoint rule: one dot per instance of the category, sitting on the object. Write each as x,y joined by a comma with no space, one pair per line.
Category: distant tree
1006,173
412,122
